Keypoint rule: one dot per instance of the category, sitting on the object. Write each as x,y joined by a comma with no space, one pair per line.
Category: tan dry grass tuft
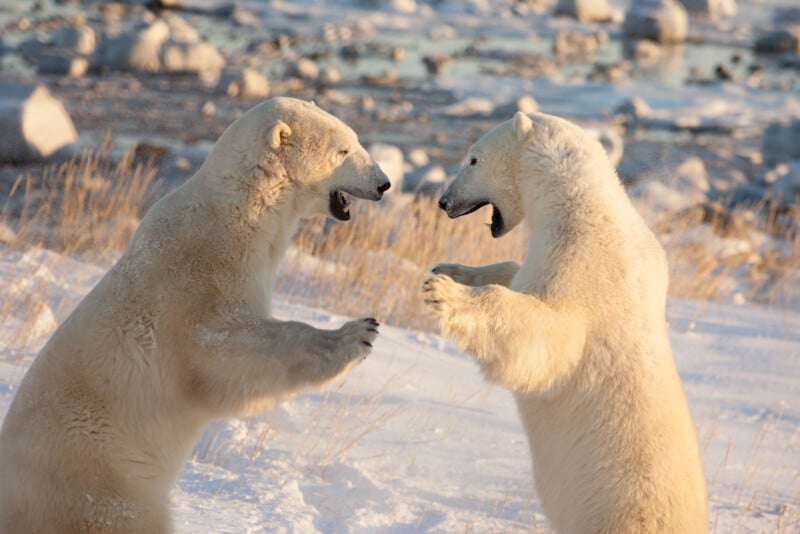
85,204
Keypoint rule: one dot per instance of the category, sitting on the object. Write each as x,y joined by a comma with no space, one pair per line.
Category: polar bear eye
473,162
343,153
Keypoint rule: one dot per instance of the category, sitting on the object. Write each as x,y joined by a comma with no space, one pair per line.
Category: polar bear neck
260,213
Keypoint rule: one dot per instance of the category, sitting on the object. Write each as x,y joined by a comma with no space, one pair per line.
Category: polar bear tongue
338,205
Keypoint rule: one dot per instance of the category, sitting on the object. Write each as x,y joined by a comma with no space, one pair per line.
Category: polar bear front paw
444,296
460,273
354,339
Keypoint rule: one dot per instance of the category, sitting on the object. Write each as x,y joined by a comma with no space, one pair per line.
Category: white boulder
662,21
33,123
585,10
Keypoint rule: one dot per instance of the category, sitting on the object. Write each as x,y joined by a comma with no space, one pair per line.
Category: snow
414,440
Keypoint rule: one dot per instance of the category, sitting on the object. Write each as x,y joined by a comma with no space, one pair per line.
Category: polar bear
577,332
179,331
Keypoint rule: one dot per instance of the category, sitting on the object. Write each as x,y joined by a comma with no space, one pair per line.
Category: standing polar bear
577,332
179,331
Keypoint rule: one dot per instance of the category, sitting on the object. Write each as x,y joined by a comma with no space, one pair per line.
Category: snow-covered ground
413,440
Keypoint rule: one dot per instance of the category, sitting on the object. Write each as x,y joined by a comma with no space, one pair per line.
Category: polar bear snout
457,207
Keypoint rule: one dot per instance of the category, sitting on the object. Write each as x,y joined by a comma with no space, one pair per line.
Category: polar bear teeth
339,204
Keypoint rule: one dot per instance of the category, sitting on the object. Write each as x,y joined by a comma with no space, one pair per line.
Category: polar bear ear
522,124
279,134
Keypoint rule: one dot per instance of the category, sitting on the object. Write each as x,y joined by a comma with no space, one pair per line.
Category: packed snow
414,440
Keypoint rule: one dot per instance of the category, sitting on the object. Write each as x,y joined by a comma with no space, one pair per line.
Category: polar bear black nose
384,187
442,204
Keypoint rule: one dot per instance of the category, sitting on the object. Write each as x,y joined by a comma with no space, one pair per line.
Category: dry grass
83,205
376,263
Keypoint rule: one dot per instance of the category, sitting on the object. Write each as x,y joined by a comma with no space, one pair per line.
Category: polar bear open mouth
498,225
339,205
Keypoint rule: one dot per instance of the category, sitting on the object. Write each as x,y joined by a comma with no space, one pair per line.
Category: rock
691,176
436,63
780,141
390,159
418,157
81,40
611,140
779,41
642,50
167,44
634,109
659,198
428,180
330,75
786,189
243,83
191,58
62,65
584,10
711,8
469,107
403,6
303,68
786,15
33,123
662,21
569,44
527,104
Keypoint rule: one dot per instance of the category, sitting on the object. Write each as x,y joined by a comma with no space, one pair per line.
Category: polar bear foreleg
519,341
497,273
262,360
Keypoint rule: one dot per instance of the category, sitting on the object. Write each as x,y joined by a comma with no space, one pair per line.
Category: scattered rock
186,58
428,180
390,159
62,65
662,21
584,10
81,40
780,141
436,63
634,109
691,177
418,157
711,8
642,50
786,189
611,140
33,123
786,15
167,44
778,41
243,83
572,44
304,69
527,104
330,75
659,198
469,107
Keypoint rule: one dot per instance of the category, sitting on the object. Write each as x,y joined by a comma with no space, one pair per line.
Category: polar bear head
292,152
519,163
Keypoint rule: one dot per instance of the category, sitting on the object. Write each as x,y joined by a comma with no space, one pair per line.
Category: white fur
179,332
577,332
